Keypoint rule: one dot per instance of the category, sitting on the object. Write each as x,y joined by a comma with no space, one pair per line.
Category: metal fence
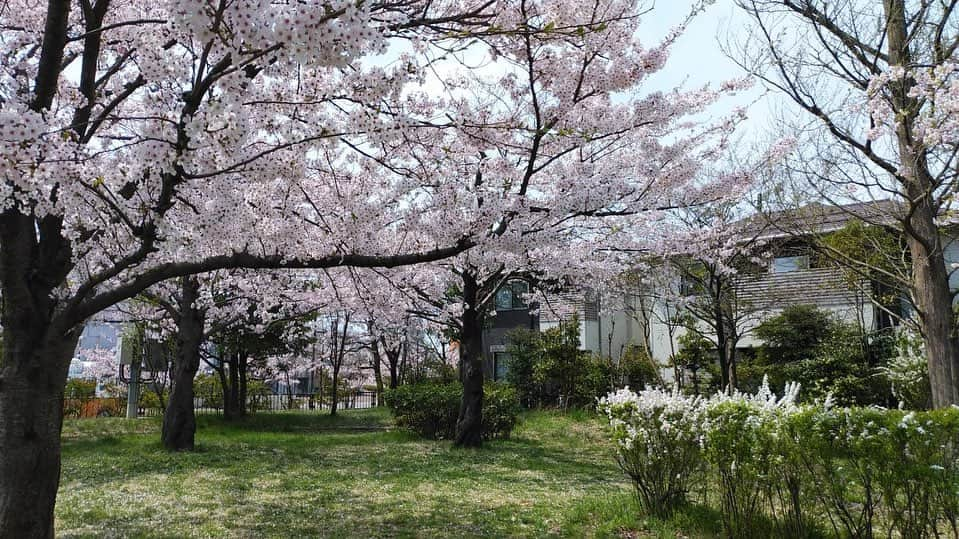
311,401
86,407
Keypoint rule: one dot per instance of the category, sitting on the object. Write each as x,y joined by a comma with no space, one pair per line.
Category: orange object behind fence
93,407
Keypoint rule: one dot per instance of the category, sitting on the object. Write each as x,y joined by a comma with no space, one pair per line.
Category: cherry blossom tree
714,250
242,313
546,154
145,141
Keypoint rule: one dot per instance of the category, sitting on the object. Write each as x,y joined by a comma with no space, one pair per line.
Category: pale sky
697,57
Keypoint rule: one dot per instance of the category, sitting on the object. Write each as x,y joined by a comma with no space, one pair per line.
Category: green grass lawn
296,475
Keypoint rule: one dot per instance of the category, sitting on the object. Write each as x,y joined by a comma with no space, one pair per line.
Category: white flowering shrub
862,472
741,431
907,372
658,436
890,467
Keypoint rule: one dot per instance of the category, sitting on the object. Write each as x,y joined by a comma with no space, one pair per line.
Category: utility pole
128,357
133,390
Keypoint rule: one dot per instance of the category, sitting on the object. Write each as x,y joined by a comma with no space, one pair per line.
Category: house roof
818,218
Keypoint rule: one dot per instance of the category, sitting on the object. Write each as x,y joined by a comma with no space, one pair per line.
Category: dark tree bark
393,356
221,373
338,341
731,363
377,370
37,345
179,421
233,394
469,425
232,375
243,364
33,374
931,292
722,350
33,370
335,391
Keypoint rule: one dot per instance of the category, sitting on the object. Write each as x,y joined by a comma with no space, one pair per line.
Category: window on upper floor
786,264
510,296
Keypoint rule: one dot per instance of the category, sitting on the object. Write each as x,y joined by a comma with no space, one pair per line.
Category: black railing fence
85,407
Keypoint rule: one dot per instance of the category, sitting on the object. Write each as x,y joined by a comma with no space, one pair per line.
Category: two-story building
792,273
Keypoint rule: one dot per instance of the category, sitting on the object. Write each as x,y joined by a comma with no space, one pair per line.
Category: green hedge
79,388
857,471
431,409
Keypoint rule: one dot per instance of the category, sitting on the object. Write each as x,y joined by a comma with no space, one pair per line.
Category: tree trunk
335,390
731,359
242,364
394,359
32,379
931,291
469,425
378,371
232,390
934,305
37,348
225,391
179,421
722,350
720,325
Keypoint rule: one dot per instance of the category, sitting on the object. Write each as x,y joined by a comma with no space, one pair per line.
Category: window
510,296
786,264
500,366
689,286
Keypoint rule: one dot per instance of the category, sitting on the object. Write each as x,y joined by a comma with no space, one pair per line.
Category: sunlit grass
296,475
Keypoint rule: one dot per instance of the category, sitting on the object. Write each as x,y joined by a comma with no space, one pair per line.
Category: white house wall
588,333
662,349
950,252
619,329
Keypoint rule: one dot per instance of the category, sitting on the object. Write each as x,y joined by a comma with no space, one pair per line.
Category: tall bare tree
848,64
715,275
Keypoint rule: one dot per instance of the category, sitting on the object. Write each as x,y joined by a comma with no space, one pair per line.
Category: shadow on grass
618,514
312,475
373,419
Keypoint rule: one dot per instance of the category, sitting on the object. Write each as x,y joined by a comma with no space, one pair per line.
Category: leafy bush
547,368
500,408
562,370
524,352
638,369
658,442
150,400
258,394
793,335
431,409
79,388
696,355
207,388
843,366
740,432
869,471
825,355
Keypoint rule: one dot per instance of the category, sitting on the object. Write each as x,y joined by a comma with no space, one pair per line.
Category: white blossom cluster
934,90
645,417
653,417
763,445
